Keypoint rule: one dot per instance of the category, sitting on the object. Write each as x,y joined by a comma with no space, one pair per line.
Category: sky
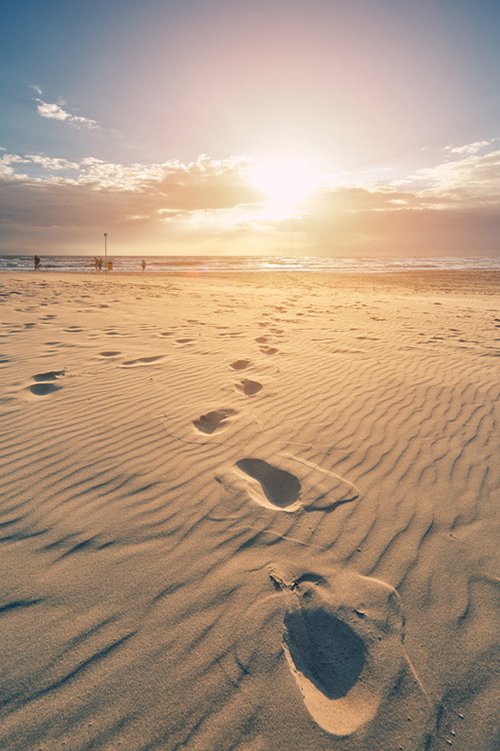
326,127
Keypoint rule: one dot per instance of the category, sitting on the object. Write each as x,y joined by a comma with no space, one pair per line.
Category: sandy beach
249,512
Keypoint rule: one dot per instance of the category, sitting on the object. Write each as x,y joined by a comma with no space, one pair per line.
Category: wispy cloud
55,111
473,180
470,148
36,88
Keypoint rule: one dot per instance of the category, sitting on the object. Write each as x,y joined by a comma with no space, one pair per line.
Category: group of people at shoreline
98,263
109,264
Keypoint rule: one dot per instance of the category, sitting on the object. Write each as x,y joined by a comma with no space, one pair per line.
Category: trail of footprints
327,640
329,621
343,673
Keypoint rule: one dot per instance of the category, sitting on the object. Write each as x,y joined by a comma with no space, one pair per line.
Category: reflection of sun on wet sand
265,525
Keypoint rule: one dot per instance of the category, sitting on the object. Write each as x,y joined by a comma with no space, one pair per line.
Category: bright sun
285,182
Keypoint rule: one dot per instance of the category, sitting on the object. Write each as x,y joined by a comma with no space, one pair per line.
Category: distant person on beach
96,263
143,264
38,263
99,264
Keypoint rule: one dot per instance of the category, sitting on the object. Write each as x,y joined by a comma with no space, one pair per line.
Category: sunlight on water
202,264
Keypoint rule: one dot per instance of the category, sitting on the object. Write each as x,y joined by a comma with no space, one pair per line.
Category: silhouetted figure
38,263
143,264
96,263
99,264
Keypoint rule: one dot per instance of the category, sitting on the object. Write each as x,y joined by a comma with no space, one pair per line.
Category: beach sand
249,512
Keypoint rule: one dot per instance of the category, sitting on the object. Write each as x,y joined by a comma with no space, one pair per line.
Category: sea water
202,264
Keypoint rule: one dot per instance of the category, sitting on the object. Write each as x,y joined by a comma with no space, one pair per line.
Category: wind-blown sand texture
249,513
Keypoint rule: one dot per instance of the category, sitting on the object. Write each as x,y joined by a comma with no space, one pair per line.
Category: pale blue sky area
175,79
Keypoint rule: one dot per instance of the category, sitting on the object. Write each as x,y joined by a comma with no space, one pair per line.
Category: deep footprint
344,644
213,421
43,389
249,387
280,488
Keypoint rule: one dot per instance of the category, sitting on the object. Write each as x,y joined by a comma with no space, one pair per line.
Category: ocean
202,264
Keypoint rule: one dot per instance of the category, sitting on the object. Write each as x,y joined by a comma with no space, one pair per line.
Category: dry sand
249,513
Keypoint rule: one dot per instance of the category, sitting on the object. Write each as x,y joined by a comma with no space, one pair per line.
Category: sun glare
285,182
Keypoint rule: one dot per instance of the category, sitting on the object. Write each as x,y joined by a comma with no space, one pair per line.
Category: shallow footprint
249,387
141,361
213,421
51,375
240,364
110,353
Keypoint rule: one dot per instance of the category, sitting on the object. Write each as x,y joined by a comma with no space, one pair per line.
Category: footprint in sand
278,488
141,361
287,484
43,389
213,421
343,642
269,350
249,388
240,364
51,375
109,353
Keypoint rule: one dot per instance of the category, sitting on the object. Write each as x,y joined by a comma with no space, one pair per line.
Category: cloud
469,148
36,89
471,181
208,205
54,111
51,163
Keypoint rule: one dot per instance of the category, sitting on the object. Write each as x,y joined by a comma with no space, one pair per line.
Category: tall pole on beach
105,251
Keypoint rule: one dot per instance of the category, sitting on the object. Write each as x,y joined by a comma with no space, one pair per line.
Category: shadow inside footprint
210,422
42,389
52,375
280,487
325,650
249,387
240,364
